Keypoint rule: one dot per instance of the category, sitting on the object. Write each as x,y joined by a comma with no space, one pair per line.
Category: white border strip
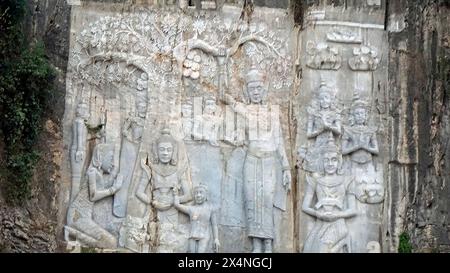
348,24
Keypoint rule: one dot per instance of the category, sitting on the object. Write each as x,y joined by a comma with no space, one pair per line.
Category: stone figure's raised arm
183,208
94,193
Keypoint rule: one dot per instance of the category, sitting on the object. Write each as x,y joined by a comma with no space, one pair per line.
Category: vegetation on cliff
26,81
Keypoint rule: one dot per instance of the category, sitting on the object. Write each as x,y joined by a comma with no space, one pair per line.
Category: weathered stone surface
393,56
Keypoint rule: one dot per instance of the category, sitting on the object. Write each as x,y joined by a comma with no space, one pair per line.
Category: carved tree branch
128,58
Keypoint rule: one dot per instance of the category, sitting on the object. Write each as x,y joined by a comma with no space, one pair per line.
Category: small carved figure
80,223
187,122
79,146
203,218
208,126
330,199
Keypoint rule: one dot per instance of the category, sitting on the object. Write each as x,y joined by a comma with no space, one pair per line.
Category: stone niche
223,130
177,129
341,134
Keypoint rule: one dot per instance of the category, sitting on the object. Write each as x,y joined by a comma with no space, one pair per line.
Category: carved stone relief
187,122
323,56
166,89
341,164
365,59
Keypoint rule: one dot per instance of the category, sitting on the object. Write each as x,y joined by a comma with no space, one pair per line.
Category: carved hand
216,245
326,216
287,179
118,182
228,99
79,156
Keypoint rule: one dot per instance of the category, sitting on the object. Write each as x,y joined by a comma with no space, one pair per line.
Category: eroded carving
264,150
80,223
365,59
324,120
166,175
132,134
203,221
79,146
322,56
339,35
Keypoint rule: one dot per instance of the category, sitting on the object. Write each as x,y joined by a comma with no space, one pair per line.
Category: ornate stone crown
254,76
357,102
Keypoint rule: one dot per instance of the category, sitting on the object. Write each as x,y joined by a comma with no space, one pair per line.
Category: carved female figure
324,119
79,216
164,176
359,142
265,153
79,146
330,199
203,218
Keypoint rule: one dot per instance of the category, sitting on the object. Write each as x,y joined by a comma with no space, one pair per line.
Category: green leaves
404,245
26,81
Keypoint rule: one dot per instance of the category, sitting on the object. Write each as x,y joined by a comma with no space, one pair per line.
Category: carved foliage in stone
125,53
365,58
323,56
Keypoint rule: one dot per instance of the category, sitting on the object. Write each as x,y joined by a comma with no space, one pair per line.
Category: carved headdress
254,75
100,150
358,102
330,146
325,88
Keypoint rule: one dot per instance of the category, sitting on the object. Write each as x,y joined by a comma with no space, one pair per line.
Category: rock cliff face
416,124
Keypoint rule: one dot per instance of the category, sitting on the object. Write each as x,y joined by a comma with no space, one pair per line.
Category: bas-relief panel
165,155
340,122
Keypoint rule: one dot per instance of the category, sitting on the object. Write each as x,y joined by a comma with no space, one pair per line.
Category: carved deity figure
165,176
359,142
265,152
208,126
80,223
79,146
202,219
330,199
132,135
324,119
